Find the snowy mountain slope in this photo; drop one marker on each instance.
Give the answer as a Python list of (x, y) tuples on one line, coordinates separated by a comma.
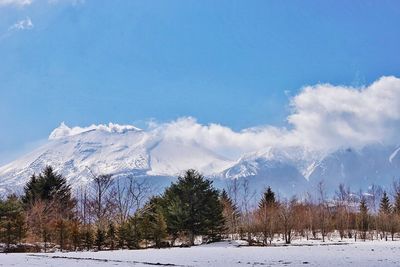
[(295, 170), (127, 150), (285, 170), (359, 168), (113, 150)]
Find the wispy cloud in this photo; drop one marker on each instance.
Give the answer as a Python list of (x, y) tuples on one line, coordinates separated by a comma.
[(19, 3), (24, 24), (73, 2)]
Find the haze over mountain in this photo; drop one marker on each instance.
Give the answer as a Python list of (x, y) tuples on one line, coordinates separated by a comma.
[(336, 134)]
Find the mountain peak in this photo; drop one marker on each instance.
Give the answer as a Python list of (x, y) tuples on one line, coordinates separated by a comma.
[(63, 130)]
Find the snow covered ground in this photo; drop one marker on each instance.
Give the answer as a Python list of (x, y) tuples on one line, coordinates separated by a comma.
[(374, 253)]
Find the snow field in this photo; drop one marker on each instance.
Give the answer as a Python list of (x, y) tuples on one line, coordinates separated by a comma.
[(375, 253)]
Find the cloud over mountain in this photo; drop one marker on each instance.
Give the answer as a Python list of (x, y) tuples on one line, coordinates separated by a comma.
[(324, 117), (65, 131), (325, 124)]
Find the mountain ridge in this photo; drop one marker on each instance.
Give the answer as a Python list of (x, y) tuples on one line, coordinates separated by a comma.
[(125, 150)]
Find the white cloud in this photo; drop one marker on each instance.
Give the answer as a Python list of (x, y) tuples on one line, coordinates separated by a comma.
[(73, 2), (324, 117), (22, 3), (327, 116), (25, 24), (64, 131), (221, 139), (18, 3)]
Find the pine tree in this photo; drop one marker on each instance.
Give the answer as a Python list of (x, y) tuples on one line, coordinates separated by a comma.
[(145, 227), (268, 199), (385, 215), (159, 228), (153, 224), (217, 225), (129, 233), (12, 221), (100, 238), (111, 236), (76, 235), (87, 237), (50, 207), (121, 235), (49, 187), (363, 218), (396, 213), (267, 213), (396, 208), (192, 206), (385, 206)]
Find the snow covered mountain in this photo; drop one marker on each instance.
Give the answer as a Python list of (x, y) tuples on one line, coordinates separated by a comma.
[(127, 150), (112, 149), (301, 170)]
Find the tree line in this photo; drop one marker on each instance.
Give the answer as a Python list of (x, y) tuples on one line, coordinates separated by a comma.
[(124, 213), (109, 214), (364, 216)]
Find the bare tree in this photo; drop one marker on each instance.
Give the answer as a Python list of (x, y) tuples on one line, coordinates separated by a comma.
[(83, 205), (323, 210), (341, 216), (247, 218), (123, 201), (233, 189), (140, 191), (40, 218), (286, 215), (101, 198), (130, 195)]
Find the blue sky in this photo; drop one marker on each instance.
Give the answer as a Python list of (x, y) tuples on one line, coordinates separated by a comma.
[(236, 63)]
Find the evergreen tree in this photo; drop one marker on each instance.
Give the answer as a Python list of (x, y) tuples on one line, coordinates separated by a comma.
[(385, 206), (145, 227), (268, 199), (111, 236), (87, 237), (363, 218), (154, 227), (100, 238), (396, 214), (12, 221), (121, 235), (267, 213), (76, 235), (192, 206), (175, 214), (50, 207), (129, 233), (159, 228), (385, 215), (52, 188), (396, 207)]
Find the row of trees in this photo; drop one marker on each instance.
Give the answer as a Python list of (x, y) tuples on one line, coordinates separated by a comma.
[(365, 215), (124, 213), (111, 213)]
